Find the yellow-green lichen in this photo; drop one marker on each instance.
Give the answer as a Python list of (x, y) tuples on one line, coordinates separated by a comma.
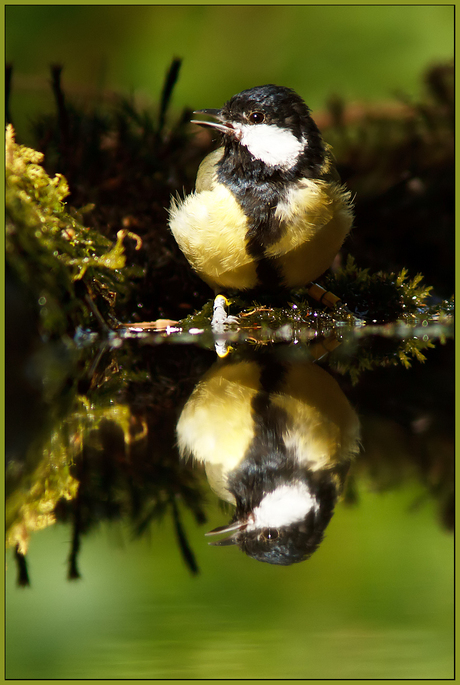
[(48, 249)]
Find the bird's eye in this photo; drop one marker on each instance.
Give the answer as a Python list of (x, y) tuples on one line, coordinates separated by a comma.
[(270, 533), (256, 117)]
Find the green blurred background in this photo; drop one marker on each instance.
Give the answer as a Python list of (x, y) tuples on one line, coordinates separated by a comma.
[(362, 53), (375, 601)]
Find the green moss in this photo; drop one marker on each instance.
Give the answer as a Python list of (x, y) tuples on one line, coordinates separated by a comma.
[(366, 298), (380, 296), (48, 249)]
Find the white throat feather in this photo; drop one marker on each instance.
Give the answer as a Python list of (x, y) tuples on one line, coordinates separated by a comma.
[(275, 146)]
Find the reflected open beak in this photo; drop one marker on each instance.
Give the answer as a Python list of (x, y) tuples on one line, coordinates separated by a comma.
[(226, 542), (220, 124), (231, 540)]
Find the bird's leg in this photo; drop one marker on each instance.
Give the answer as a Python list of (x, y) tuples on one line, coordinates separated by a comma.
[(323, 296), (316, 292), (324, 346), (219, 311), (219, 323), (220, 318)]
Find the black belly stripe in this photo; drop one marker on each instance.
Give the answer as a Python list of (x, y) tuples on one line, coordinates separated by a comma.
[(268, 276), (259, 199), (258, 190), (260, 235), (270, 420)]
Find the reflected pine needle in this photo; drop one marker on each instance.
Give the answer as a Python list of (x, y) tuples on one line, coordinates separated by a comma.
[(186, 550)]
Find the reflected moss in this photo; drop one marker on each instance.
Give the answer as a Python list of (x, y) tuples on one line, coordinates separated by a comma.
[(118, 439), (102, 459), (32, 510)]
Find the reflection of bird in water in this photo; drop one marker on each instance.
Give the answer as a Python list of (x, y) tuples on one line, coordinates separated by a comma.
[(276, 439)]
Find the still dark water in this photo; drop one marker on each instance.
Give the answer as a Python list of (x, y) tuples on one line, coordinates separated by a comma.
[(119, 579)]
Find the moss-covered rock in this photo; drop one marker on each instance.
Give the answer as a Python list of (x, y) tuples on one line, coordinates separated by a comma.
[(49, 250)]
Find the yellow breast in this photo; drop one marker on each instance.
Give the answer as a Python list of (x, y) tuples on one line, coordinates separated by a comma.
[(210, 227), (318, 217)]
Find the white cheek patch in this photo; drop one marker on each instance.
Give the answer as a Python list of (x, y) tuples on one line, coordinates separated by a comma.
[(285, 505), (271, 144)]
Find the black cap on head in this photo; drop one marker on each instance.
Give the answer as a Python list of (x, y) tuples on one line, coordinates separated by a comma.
[(278, 104)]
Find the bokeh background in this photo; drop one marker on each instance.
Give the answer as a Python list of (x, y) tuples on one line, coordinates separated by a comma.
[(362, 53), (376, 600)]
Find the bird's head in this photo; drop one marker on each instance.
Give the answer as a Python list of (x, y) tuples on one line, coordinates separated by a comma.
[(287, 525), (271, 122)]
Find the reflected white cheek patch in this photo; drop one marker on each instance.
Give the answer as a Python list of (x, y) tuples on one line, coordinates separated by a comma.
[(285, 505)]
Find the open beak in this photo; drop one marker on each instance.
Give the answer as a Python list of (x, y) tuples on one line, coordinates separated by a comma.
[(231, 540), (220, 124)]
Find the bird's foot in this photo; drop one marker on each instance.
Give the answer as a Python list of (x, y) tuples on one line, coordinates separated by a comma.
[(220, 318), (220, 323)]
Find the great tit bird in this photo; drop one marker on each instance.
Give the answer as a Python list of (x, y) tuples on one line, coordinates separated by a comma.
[(276, 439), (268, 210)]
